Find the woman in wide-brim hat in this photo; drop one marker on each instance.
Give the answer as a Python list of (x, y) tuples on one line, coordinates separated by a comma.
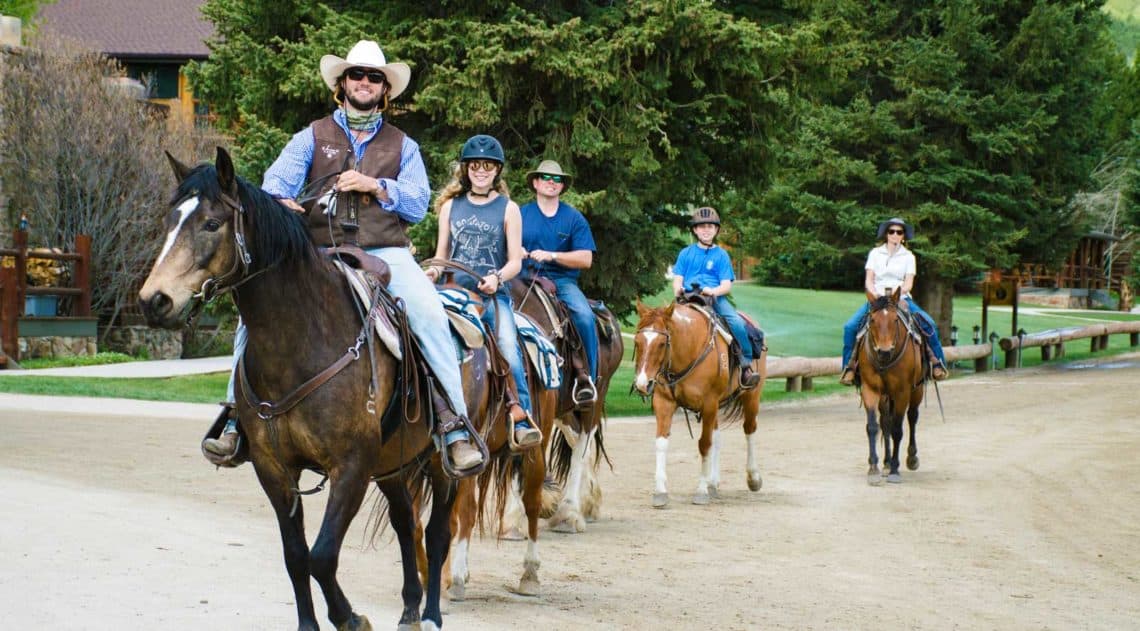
[(891, 265)]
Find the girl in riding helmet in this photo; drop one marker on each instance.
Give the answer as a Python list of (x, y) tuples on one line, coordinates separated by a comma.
[(480, 227), (706, 264)]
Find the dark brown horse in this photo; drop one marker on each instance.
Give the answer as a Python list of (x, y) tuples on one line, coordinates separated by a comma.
[(682, 361), (579, 427), (891, 372), (483, 499), (223, 234)]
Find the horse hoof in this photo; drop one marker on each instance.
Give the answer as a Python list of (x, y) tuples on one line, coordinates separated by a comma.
[(754, 483), (874, 479), (512, 534), (411, 626), (570, 525), (357, 623), (457, 592), (894, 478), (660, 500), (700, 499), (528, 587), (428, 625), (912, 463), (714, 492)]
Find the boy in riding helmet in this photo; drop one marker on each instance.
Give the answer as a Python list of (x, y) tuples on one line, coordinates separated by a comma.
[(707, 265)]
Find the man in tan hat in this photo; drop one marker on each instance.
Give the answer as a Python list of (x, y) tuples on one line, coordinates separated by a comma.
[(380, 185), (558, 244)]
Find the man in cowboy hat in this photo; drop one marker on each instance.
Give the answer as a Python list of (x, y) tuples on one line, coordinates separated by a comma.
[(558, 244), (380, 184)]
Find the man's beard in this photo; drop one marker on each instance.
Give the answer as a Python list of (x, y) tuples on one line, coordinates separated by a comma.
[(364, 106)]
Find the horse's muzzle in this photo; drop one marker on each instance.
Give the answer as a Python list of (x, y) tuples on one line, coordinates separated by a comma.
[(158, 309)]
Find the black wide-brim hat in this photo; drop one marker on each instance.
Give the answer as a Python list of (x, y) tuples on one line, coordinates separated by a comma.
[(895, 221)]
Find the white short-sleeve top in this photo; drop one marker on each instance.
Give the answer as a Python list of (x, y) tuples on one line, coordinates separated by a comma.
[(890, 269)]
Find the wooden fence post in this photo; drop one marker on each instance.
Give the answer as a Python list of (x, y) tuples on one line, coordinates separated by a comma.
[(82, 280), (10, 311)]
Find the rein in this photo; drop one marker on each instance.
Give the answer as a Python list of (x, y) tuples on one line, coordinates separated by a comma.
[(237, 275), (668, 377), (873, 355)]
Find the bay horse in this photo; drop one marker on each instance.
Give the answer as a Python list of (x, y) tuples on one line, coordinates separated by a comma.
[(483, 498), (224, 234), (682, 361), (578, 427), (891, 374)]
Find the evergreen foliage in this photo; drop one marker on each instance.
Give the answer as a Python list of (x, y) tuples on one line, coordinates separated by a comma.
[(654, 106)]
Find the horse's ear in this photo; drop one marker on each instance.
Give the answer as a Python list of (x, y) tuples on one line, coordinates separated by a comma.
[(642, 310), (895, 295), (180, 170), (225, 166), (669, 310)]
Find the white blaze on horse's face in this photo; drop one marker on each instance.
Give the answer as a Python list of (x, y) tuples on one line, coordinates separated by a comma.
[(644, 341), (184, 210)]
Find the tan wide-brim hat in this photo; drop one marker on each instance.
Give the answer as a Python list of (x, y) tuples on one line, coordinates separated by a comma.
[(366, 54), (550, 167)]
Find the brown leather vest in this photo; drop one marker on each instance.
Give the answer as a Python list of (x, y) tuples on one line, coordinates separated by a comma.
[(332, 153)]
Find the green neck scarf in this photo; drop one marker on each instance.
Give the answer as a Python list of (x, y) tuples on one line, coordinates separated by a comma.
[(363, 122)]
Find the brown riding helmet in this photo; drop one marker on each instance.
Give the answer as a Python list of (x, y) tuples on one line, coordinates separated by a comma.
[(703, 215)]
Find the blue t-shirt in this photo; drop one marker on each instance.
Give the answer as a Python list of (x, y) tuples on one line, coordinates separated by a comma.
[(704, 266), (566, 231)]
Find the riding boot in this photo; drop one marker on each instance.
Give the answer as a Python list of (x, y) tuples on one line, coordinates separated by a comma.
[(938, 370), (522, 430), (748, 377), (848, 376), (466, 456), (224, 445)]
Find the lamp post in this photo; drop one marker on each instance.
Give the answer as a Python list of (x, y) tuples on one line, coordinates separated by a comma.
[(953, 341), (977, 334)]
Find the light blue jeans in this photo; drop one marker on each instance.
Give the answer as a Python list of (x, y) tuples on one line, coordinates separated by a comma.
[(499, 316), (736, 325), (925, 322), (427, 320), (584, 319)]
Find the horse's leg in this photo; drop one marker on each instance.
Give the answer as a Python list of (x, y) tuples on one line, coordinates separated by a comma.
[(714, 464), (751, 411), (592, 493), (463, 521), (874, 477), (513, 514), (278, 485), (568, 518), (403, 524), (912, 448), (533, 475), (896, 443), (663, 410), (346, 493), (706, 446), (438, 534)]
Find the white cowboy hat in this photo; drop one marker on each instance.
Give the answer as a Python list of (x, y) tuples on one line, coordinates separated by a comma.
[(366, 54)]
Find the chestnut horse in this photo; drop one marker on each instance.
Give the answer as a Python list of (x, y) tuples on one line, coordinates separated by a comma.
[(473, 506), (891, 376), (224, 234), (682, 361), (578, 426)]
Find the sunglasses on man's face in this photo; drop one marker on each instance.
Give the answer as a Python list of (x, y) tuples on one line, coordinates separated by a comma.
[(357, 74), (557, 179), (482, 165), (895, 231)]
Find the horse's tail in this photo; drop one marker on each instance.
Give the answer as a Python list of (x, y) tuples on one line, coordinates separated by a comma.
[(495, 486)]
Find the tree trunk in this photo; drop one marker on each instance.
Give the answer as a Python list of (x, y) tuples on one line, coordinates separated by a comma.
[(936, 296)]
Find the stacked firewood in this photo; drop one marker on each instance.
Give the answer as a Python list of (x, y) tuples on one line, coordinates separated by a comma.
[(45, 272)]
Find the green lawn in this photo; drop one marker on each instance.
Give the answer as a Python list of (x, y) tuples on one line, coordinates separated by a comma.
[(796, 321)]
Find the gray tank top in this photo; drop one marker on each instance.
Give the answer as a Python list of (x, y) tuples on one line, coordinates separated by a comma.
[(478, 237)]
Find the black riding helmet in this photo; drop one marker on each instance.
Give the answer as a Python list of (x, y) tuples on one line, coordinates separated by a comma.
[(482, 147)]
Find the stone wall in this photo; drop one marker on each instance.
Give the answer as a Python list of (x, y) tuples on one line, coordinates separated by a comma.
[(142, 341), (56, 346)]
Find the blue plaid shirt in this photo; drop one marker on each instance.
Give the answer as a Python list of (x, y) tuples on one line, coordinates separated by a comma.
[(408, 194)]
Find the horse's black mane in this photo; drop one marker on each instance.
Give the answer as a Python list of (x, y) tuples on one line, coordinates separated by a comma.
[(880, 302), (274, 234)]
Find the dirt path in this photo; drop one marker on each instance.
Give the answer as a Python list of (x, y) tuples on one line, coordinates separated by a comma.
[(1025, 515)]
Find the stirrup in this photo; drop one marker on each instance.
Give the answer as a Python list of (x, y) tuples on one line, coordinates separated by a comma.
[(844, 380), (512, 440), (447, 421), (584, 392), (240, 453)]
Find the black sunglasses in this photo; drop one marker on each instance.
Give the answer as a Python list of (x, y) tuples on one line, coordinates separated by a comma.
[(557, 179), (374, 76), (895, 231)]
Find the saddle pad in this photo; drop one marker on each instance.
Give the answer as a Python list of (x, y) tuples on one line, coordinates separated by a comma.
[(549, 304), (385, 330), (464, 318), (543, 356), (724, 333)]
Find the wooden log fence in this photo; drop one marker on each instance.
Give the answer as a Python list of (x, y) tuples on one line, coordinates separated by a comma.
[(14, 287), (799, 372)]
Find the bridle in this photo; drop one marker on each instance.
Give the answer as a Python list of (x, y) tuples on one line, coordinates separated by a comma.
[(665, 375), (238, 273)]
